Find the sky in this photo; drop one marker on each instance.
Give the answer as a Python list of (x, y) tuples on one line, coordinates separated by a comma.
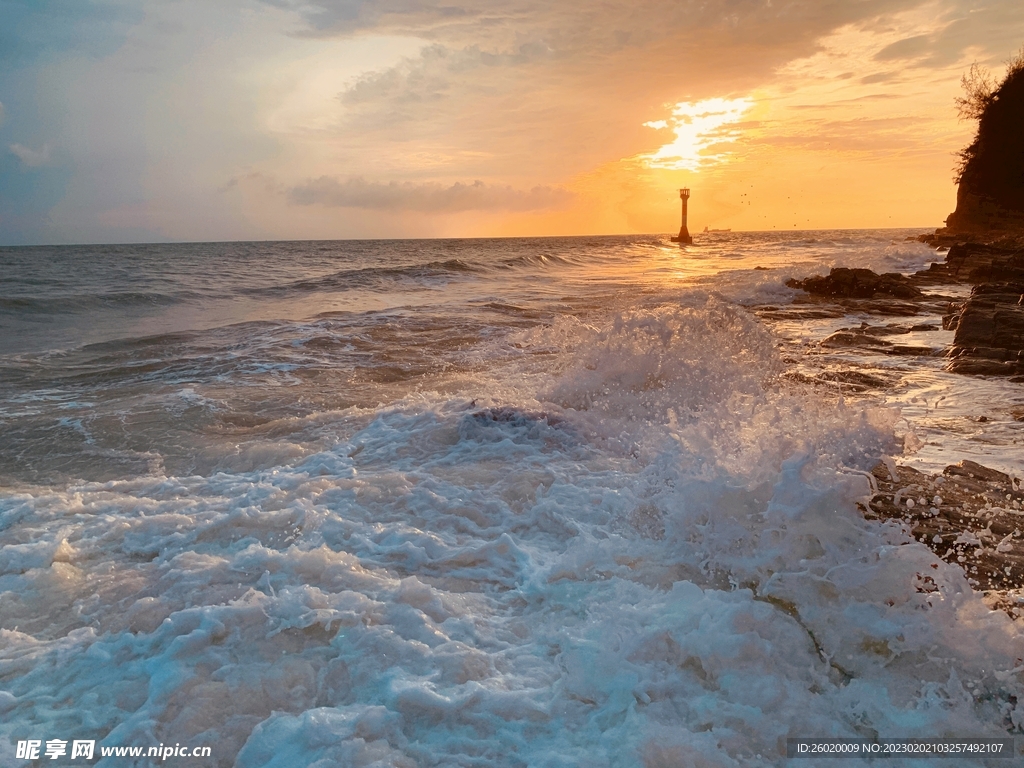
[(185, 120)]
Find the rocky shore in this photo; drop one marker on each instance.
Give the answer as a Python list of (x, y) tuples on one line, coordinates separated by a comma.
[(969, 514), (988, 326)]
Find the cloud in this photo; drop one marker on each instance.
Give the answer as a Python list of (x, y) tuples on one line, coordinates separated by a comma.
[(425, 197), (430, 75), (149, 106), (332, 17), (568, 25), (879, 77), (908, 48), (33, 158), (701, 128), (959, 27), (515, 88)]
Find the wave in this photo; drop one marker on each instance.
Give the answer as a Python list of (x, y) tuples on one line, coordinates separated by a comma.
[(529, 260), (381, 278), (76, 303), (653, 541)]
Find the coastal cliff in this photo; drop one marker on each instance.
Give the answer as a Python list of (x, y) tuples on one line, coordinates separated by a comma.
[(990, 173)]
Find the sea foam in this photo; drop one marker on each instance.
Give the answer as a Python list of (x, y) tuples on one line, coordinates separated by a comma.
[(628, 543)]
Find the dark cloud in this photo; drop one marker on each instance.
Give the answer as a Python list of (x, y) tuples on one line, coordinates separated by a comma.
[(424, 198)]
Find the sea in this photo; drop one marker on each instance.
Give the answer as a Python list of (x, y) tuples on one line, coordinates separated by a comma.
[(528, 502)]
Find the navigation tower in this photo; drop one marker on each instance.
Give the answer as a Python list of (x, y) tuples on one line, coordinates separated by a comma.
[(684, 233)]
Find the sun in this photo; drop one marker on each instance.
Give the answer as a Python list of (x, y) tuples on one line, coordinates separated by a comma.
[(701, 128)]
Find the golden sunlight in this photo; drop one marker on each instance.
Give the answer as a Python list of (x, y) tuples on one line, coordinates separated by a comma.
[(701, 128)]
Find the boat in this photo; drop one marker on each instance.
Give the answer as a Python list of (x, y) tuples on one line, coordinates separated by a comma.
[(709, 231)]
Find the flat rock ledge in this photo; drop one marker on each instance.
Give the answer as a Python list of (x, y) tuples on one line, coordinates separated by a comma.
[(970, 515)]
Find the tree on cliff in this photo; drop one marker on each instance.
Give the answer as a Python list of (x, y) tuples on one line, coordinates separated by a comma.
[(991, 168)]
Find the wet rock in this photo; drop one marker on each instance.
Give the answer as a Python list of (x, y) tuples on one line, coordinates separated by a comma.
[(801, 312), (887, 307), (848, 338), (856, 381), (989, 326), (893, 329), (970, 515), (827, 306), (856, 283), (848, 380), (910, 350), (986, 264), (867, 337), (976, 263), (975, 471)]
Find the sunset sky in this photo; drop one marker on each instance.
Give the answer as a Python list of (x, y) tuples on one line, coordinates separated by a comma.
[(158, 120)]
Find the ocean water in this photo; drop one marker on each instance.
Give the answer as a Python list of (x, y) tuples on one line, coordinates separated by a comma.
[(513, 502)]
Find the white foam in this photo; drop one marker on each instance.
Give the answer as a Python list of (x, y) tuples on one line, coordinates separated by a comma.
[(645, 551)]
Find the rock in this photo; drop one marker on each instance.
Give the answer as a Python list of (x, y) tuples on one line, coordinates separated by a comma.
[(974, 470), (847, 380), (989, 338), (983, 263), (912, 350), (858, 381), (856, 283), (972, 516), (980, 214), (970, 262), (847, 338), (867, 337)]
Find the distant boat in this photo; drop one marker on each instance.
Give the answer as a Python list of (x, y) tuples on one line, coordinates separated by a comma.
[(706, 230)]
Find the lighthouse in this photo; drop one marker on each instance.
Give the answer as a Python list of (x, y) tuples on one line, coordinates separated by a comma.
[(684, 233)]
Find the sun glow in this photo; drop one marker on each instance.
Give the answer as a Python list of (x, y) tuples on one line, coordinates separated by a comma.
[(701, 128)]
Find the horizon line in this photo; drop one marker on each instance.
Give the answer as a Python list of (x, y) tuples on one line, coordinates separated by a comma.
[(434, 239)]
